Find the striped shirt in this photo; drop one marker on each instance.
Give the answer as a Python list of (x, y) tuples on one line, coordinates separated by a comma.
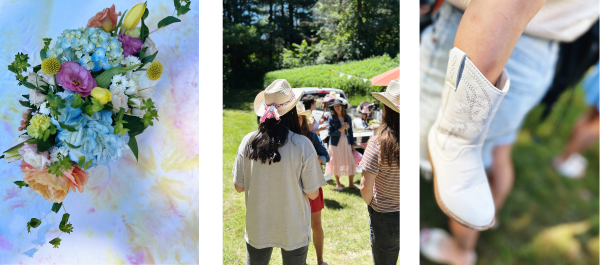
[(386, 192)]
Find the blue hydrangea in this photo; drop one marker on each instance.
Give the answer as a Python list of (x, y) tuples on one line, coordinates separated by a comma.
[(94, 138), (91, 47)]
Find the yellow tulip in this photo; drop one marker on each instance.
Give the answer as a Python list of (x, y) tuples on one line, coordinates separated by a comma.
[(133, 16), (101, 94)]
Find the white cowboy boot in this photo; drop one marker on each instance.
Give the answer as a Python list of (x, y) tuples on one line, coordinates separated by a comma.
[(469, 102)]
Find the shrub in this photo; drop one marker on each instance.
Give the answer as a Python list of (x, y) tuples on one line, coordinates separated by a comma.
[(321, 76)]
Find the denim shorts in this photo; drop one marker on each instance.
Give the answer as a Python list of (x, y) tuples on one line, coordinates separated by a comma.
[(530, 69)]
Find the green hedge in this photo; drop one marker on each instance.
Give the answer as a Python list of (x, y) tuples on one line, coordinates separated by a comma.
[(321, 76)]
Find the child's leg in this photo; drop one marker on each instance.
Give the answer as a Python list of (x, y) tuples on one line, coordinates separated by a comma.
[(337, 181), (351, 179), (318, 235), (584, 134)]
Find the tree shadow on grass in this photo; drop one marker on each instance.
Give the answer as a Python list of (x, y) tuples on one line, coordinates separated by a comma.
[(333, 205), (240, 99)]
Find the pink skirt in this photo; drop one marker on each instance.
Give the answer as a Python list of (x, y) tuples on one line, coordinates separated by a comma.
[(341, 159)]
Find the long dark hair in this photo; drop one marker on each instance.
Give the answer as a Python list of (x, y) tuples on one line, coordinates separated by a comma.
[(389, 136), (304, 127), (271, 135), (335, 115)]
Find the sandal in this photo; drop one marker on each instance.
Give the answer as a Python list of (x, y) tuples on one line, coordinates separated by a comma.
[(430, 240), (339, 188)]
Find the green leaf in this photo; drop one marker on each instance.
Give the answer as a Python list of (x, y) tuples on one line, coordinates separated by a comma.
[(33, 223), (77, 102), (43, 54), (169, 20), (29, 85), (26, 96), (141, 53), (149, 58), (81, 162), (56, 207), (37, 68), (177, 4), (134, 124), (144, 32), (182, 10), (134, 147), (46, 134), (45, 145), (71, 145), (103, 80), (119, 24), (64, 226), (67, 127), (47, 43), (21, 184), (25, 103), (88, 163), (55, 242)]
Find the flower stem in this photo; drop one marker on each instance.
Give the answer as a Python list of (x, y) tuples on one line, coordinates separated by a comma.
[(45, 215), (63, 205)]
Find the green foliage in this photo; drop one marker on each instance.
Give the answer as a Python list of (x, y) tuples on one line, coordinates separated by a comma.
[(148, 59), (119, 122), (47, 43), (64, 225), (56, 207), (21, 184), (168, 21), (134, 146), (58, 167), (182, 9), (18, 66), (33, 223), (55, 103), (321, 76), (134, 125), (77, 102), (144, 32), (55, 242), (119, 24), (151, 112), (46, 142), (103, 80), (96, 106)]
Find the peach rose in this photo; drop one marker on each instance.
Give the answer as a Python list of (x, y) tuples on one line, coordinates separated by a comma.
[(48, 185), (77, 177), (105, 19)]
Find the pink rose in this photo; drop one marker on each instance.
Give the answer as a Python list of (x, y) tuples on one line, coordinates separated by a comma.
[(32, 158), (76, 78), (105, 19)]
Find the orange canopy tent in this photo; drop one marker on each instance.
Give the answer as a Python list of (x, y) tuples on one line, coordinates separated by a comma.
[(385, 78)]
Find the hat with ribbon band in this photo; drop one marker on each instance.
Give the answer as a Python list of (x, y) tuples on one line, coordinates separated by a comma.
[(276, 100), (391, 96)]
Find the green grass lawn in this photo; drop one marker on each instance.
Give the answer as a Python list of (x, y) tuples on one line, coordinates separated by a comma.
[(344, 219), (532, 223)]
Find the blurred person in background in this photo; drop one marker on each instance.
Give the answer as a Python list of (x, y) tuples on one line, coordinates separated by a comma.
[(570, 163), (502, 44), (313, 124), (341, 144)]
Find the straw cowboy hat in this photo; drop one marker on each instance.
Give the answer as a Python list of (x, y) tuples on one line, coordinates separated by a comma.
[(277, 99), (302, 110), (391, 96)]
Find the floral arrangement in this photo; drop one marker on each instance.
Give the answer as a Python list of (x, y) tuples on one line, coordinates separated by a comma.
[(88, 99)]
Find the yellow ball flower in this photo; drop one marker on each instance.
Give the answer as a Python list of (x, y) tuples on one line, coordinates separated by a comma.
[(154, 71), (51, 66), (133, 16), (38, 121), (101, 94)]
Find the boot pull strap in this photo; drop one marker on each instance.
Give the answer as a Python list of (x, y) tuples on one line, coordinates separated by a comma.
[(456, 64)]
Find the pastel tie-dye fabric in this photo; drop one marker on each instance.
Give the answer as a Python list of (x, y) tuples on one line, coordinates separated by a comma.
[(131, 212)]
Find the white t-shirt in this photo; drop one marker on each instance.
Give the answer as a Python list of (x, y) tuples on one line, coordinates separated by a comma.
[(277, 208)]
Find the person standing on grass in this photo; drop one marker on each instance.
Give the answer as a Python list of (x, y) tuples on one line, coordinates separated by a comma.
[(278, 170), (314, 125), (318, 203), (341, 144), (380, 182)]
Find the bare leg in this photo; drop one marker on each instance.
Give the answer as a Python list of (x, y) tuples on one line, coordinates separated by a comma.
[(351, 179), (489, 30), (318, 235), (337, 181), (585, 133), (501, 177)]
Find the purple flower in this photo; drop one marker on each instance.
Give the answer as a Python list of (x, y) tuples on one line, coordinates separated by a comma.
[(76, 78), (130, 45)]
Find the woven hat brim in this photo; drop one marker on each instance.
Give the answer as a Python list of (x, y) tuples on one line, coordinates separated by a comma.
[(381, 96), (259, 108), (305, 113)]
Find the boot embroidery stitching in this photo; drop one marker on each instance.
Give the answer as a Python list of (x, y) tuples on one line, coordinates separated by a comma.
[(488, 111), (453, 66)]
